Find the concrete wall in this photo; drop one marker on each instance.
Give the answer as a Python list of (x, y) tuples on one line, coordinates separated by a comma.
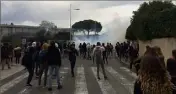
[(166, 45)]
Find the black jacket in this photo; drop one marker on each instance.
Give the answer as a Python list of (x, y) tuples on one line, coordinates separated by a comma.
[(27, 59), (72, 54), (53, 56), (171, 67)]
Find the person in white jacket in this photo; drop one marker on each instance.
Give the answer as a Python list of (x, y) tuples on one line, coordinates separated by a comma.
[(98, 55)]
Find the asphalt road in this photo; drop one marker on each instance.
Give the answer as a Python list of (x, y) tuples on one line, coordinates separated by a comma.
[(120, 80)]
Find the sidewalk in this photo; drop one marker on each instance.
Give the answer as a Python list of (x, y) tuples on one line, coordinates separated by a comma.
[(8, 72)]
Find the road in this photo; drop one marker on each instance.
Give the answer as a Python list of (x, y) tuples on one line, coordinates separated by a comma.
[(120, 80)]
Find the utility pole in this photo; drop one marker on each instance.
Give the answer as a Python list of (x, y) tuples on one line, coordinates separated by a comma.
[(71, 32)]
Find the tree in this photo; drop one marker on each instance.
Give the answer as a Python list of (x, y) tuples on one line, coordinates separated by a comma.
[(151, 21), (88, 26), (50, 26)]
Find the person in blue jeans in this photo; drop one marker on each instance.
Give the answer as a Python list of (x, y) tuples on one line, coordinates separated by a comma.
[(54, 62)]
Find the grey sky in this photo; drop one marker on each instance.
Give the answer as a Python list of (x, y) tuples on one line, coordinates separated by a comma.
[(113, 15), (20, 12)]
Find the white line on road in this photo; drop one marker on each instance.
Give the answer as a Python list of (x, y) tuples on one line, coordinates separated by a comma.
[(6, 73), (80, 83), (105, 86), (127, 84), (27, 90), (129, 72), (12, 83)]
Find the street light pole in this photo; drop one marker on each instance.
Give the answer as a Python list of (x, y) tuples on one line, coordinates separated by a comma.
[(71, 33), (70, 24)]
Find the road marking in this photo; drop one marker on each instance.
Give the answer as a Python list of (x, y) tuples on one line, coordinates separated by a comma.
[(80, 82), (105, 86), (127, 84), (7, 73), (12, 83), (129, 72), (27, 90)]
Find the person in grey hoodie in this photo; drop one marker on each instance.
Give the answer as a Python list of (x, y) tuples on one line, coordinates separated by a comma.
[(97, 54)]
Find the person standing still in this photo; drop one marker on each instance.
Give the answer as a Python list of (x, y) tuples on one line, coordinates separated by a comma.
[(97, 53)]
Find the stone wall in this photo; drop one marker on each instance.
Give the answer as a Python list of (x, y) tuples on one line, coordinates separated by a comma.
[(166, 45)]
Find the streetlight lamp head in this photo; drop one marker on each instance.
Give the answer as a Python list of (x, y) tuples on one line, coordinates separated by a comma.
[(76, 9)]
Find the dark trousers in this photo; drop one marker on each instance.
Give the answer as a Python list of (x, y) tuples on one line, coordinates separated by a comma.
[(43, 68), (100, 63), (37, 67), (17, 60), (31, 73), (105, 59), (72, 62), (5, 61)]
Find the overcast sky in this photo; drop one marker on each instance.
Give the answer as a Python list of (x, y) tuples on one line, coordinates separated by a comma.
[(113, 15), (33, 12)]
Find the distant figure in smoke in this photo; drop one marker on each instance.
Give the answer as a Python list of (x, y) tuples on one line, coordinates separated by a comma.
[(72, 57), (80, 49), (88, 51), (97, 53), (84, 50), (105, 58), (92, 52)]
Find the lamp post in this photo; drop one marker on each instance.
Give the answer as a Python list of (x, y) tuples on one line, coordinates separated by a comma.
[(71, 33)]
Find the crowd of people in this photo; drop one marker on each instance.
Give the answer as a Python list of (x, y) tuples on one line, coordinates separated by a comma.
[(155, 76), (8, 52)]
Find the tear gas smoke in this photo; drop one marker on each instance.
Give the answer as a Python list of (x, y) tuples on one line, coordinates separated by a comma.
[(113, 32)]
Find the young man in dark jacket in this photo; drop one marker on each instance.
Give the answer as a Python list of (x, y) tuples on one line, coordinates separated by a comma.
[(72, 57), (28, 62), (54, 63)]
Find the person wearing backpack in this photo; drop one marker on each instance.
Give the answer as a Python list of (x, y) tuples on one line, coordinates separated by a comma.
[(97, 53)]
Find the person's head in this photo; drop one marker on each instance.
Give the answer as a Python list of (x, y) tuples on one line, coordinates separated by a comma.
[(174, 53), (158, 50), (45, 46), (103, 44), (34, 44), (56, 45), (147, 47), (52, 44), (98, 44), (72, 46), (153, 76), (150, 51)]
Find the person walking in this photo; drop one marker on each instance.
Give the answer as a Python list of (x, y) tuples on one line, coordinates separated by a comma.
[(97, 53), (5, 55), (28, 62), (54, 63), (105, 57), (43, 64), (17, 52), (72, 58)]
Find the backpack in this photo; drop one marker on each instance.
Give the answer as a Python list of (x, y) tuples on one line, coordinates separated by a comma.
[(41, 56), (98, 53)]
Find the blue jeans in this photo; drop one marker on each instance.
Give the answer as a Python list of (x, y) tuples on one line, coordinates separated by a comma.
[(51, 69)]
